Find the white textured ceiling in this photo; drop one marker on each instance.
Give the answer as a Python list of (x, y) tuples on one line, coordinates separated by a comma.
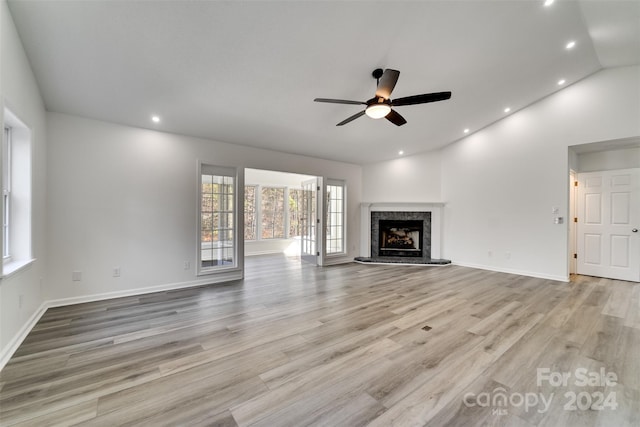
[(247, 72)]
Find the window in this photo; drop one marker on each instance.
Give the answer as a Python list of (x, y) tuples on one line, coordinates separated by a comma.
[(272, 213), (16, 194), (217, 218), (296, 212), (267, 216), (335, 217), (6, 192), (250, 213)]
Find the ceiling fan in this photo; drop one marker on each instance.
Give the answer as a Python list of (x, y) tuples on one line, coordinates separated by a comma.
[(380, 105)]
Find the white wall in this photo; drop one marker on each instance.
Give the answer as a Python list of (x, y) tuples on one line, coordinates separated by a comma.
[(127, 197), (411, 179), (626, 158), (500, 184), (19, 93)]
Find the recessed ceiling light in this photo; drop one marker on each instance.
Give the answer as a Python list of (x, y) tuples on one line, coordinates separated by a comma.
[(466, 131), (506, 110), (561, 82), (400, 153), (570, 45), (548, 2), (155, 119)]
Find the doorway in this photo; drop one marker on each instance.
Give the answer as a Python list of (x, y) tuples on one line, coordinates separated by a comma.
[(604, 201), (274, 213)]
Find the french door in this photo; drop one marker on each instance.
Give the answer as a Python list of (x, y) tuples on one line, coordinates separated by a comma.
[(311, 221)]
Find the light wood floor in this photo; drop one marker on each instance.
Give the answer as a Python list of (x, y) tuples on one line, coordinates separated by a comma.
[(348, 345)]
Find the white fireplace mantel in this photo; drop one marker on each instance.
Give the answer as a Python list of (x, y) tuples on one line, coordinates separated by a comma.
[(436, 223)]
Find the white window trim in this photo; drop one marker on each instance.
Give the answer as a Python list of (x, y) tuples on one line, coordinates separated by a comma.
[(343, 184), (237, 264), (12, 267), (20, 225), (6, 195)]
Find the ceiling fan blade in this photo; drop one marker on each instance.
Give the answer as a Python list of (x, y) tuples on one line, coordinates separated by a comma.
[(395, 118), (421, 99), (387, 83), (352, 118), (339, 101)]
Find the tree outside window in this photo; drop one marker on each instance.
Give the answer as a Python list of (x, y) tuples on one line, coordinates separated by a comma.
[(250, 214), (273, 213), (295, 212)]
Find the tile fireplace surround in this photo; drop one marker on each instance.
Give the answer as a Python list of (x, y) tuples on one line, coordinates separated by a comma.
[(430, 213)]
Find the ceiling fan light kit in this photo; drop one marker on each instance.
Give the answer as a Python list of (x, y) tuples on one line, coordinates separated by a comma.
[(378, 110), (381, 105)]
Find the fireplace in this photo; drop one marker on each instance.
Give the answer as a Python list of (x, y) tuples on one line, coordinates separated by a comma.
[(400, 238), (401, 233)]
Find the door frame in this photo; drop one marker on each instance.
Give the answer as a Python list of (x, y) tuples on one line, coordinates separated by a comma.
[(573, 226)]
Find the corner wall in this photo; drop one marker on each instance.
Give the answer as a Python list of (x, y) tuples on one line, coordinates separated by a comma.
[(21, 296), (500, 184)]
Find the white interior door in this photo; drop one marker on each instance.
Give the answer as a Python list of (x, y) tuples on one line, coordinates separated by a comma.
[(608, 222), (309, 220)]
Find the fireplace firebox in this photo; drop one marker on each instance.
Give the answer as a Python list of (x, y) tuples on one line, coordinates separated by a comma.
[(401, 235), (401, 238)]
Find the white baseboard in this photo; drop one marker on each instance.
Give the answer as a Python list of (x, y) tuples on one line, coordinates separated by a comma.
[(513, 271), (15, 342), (10, 349), (209, 280)]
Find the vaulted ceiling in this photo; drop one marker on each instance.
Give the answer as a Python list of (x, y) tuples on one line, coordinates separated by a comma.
[(247, 72)]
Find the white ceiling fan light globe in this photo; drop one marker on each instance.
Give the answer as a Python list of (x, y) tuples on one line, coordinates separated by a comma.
[(378, 111)]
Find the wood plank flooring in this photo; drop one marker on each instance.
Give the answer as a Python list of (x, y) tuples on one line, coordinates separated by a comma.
[(349, 345)]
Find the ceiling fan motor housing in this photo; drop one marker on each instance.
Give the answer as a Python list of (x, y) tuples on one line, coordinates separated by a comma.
[(376, 100)]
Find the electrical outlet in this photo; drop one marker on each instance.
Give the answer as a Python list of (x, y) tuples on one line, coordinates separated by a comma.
[(489, 254), (76, 276), (507, 255), (116, 271), (20, 301), (187, 265)]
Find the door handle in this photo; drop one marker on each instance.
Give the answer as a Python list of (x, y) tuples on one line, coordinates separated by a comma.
[(635, 230)]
